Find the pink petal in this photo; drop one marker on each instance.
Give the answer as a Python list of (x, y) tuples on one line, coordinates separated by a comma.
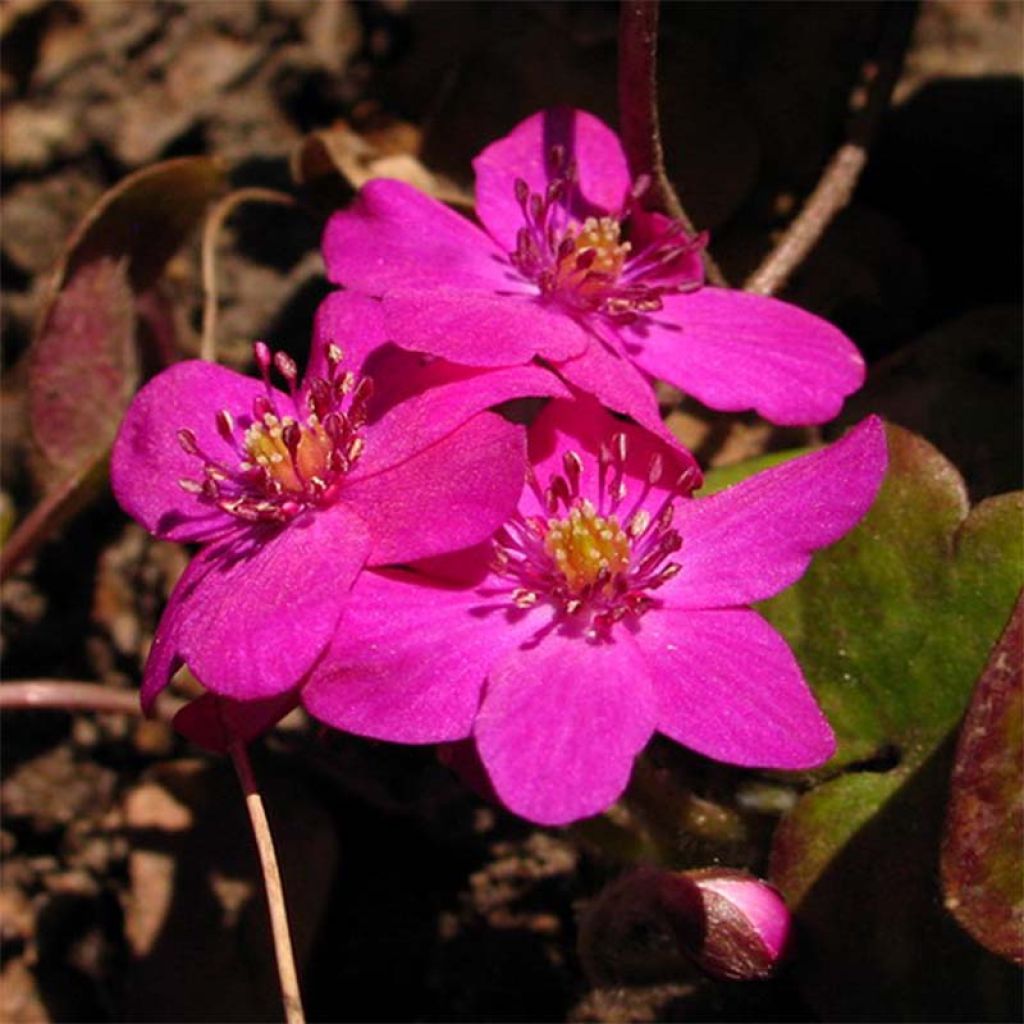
[(583, 427), (447, 497), (729, 687), (733, 351), (482, 327), (253, 615), (353, 322), (409, 660), (214, 723), (148, 460), (394, 236), (615, 382), (418, 422), (756, 538), (524, 153), (561, 723)]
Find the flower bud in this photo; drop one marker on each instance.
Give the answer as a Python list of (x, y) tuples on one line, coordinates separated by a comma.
[(745, 925)]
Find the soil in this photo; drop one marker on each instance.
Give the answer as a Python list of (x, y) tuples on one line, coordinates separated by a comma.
[(128, 889)]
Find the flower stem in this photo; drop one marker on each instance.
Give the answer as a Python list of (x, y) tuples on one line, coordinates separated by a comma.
[(71, 695), (638, 113), (211, 229), (839, 179), (287, 974)]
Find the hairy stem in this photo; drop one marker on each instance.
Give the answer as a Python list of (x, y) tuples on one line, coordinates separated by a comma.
[(287, 974), (638, 113)]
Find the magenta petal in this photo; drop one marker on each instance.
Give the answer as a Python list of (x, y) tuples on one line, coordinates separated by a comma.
[(615, 382), (409, 660), (733, 351), (482, 328), (561, 723), (415, 424), (756, 538), (214, 723), (450, 496), (353, 322), (729, 687), (525, 153), (394, 236), (583, 426), (148, 460), (257, 613)]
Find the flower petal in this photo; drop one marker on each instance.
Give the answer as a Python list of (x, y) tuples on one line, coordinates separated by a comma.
[(482, 327), (756, 538), (409, 660), (443, 405), (729, 687), (394, 236), (148, 460), (525, 153), (733, 351), (253, 615), (584, 427), (615, 382), (352, 321), (214, 723), (561, 723), (448, 496)]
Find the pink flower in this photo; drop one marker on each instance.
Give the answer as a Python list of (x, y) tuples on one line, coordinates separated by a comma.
[(570, 268), (610, 605), (291, 492)]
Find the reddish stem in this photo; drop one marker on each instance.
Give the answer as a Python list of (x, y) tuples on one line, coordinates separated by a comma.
[(638, 113)]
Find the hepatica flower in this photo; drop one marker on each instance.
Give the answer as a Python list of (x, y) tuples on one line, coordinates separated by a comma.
[(570, 267), (291, 490), (611, 604)]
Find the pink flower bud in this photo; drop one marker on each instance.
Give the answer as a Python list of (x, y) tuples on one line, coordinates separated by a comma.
[(745, 928)]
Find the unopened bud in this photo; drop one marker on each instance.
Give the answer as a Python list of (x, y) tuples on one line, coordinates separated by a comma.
[(746, 925)]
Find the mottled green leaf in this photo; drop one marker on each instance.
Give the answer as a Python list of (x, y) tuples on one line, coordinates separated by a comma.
[(892, 626)]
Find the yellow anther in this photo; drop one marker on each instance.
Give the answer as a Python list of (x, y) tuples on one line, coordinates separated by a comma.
[(584, 545)]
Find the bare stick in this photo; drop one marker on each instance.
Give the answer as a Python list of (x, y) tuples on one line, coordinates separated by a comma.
[(38, 524), (286, 972), (839, 179), (638, 113), (72, 695), (211, 229)]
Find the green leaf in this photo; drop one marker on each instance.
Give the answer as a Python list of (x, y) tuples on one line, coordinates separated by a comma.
[(892, 625), (983, 847)]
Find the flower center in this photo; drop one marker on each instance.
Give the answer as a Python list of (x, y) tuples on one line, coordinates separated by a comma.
[(586, 546), (588, 266), (285, 459), (602, 557)]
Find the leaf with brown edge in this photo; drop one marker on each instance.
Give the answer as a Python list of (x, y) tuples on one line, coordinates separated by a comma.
[(84, 363), (85, 366), (982, 861)]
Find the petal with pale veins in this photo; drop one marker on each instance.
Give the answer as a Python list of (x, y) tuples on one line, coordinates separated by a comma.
[(729, 687), (560, 725)]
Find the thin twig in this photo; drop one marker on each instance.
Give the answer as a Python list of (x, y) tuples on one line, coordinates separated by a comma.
[(839, 179), (72, 695), (286, 971), (211, 229), (36, 526), (638, 114)]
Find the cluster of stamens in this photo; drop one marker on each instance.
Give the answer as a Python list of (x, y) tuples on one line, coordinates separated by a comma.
[(596, 560), (588, 265), (285, 459)]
